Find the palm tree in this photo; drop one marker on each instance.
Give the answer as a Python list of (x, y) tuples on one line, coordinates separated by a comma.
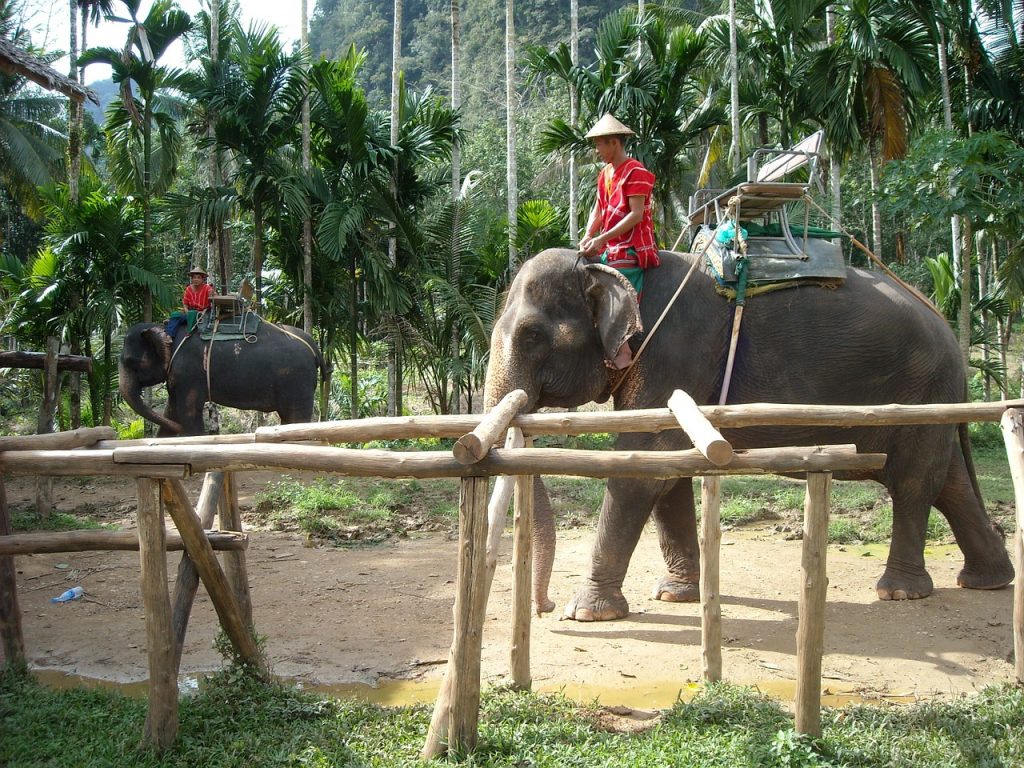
[(31, 147), (257, 102), (307, 221), (660, 95), (511, 168), (137, 65), (866, 87), (395, 343)]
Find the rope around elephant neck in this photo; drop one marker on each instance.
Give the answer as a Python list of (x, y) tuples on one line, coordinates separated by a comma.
[(625, 373), (881, 265)]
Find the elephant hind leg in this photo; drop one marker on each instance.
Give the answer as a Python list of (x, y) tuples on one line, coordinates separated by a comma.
[(986, 562)]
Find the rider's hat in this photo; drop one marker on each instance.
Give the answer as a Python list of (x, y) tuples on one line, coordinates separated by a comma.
[(609, 126), (197, 271)]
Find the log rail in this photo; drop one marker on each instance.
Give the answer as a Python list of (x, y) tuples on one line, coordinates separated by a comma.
[(160, 465)]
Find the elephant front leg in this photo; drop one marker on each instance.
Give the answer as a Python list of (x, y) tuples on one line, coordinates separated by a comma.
[(905, 576), (627, 504), (677, 534)]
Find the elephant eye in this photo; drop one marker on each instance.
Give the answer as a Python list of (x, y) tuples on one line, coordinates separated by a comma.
[(532, 335)]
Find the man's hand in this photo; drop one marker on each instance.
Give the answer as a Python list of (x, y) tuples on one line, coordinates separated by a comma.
[(592, 246)]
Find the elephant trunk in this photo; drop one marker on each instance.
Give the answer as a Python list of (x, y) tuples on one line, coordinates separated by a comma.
[(131, 391)]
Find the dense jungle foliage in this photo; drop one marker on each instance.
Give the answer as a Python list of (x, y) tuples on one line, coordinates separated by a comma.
[(204, 164)]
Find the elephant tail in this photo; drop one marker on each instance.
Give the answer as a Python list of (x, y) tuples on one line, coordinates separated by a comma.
[(965, 447)]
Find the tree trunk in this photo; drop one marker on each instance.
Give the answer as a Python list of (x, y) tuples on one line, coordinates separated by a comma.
[(574, 116), (876, 212), (734, 90), (965, 295), (257, 250), (510, 133), (456, 277), (394, 355), (307, 224), (74, 110), (353, 342), (947, 117)]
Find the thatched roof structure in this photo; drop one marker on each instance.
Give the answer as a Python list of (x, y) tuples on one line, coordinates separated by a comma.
[(15, 61)]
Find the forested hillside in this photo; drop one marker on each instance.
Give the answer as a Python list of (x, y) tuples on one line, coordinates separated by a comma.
[(426, 40)]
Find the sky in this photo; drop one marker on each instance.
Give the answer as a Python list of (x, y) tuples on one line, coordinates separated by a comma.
[(48, 23)]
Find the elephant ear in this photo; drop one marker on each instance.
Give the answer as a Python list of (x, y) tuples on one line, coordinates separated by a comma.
[(161, 342), (613, 306)]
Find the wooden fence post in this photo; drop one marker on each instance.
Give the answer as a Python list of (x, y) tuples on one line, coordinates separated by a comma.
[(457, 710), (46, 422), (810, 634), (12, 638), (234, 562), (213, 578), (188, 577), (522, 585), (710, 595), (162, 720), (1012, 425)]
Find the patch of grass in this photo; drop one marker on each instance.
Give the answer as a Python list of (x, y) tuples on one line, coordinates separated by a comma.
[(26, 519), (576, 501), (238, 720), (358, 510)]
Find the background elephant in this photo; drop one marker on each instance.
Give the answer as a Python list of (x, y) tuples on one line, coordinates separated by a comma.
[(278, 372), (867, 342)]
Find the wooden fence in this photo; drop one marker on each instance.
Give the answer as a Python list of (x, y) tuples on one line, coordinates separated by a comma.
[(159, 466)]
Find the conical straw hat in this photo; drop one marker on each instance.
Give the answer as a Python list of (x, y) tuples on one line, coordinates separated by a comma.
[(609, 126), (197, 271)]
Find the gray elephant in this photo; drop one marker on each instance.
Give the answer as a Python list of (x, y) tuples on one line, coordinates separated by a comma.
[(866, 342), (277, 372)]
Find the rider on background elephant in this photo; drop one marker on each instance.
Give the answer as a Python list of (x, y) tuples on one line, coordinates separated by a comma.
[(866, 342)]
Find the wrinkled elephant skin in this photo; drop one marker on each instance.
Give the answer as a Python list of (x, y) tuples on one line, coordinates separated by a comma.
[(278, 372), (866, 342)]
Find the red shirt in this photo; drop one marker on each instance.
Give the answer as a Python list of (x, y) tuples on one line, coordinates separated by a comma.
[(197, 298), (614, 188)]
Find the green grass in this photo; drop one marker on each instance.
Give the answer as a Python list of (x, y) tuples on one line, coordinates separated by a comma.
[(358, 510), (26, 519), (236, 720)]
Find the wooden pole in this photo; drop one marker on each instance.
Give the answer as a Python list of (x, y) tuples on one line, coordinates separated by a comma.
[(90, 540), (213, 577), (75, 438), (38, 360), (454, 723), (12, 638), (47, 416), (710, 596), (162, 720), (522, 584), (472, 447), (234, 562), (810, 635), (1013, 435), (705, 437), (187, 583), (650, 420), (522, 461)]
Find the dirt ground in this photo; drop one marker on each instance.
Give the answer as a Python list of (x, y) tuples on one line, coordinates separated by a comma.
[(377, 621)]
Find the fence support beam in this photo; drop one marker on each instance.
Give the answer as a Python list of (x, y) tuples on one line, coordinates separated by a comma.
[(710, 596), (457, 711), (810, 634), (522, 585), (162, 720), (1012, 424), (12, 638)]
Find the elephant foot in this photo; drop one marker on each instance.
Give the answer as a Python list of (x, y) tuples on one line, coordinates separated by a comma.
[(903, 585), (996, 576), (671, 589), (593, 604)]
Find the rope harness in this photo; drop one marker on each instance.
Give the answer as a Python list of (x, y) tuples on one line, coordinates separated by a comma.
[(743, 272)]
